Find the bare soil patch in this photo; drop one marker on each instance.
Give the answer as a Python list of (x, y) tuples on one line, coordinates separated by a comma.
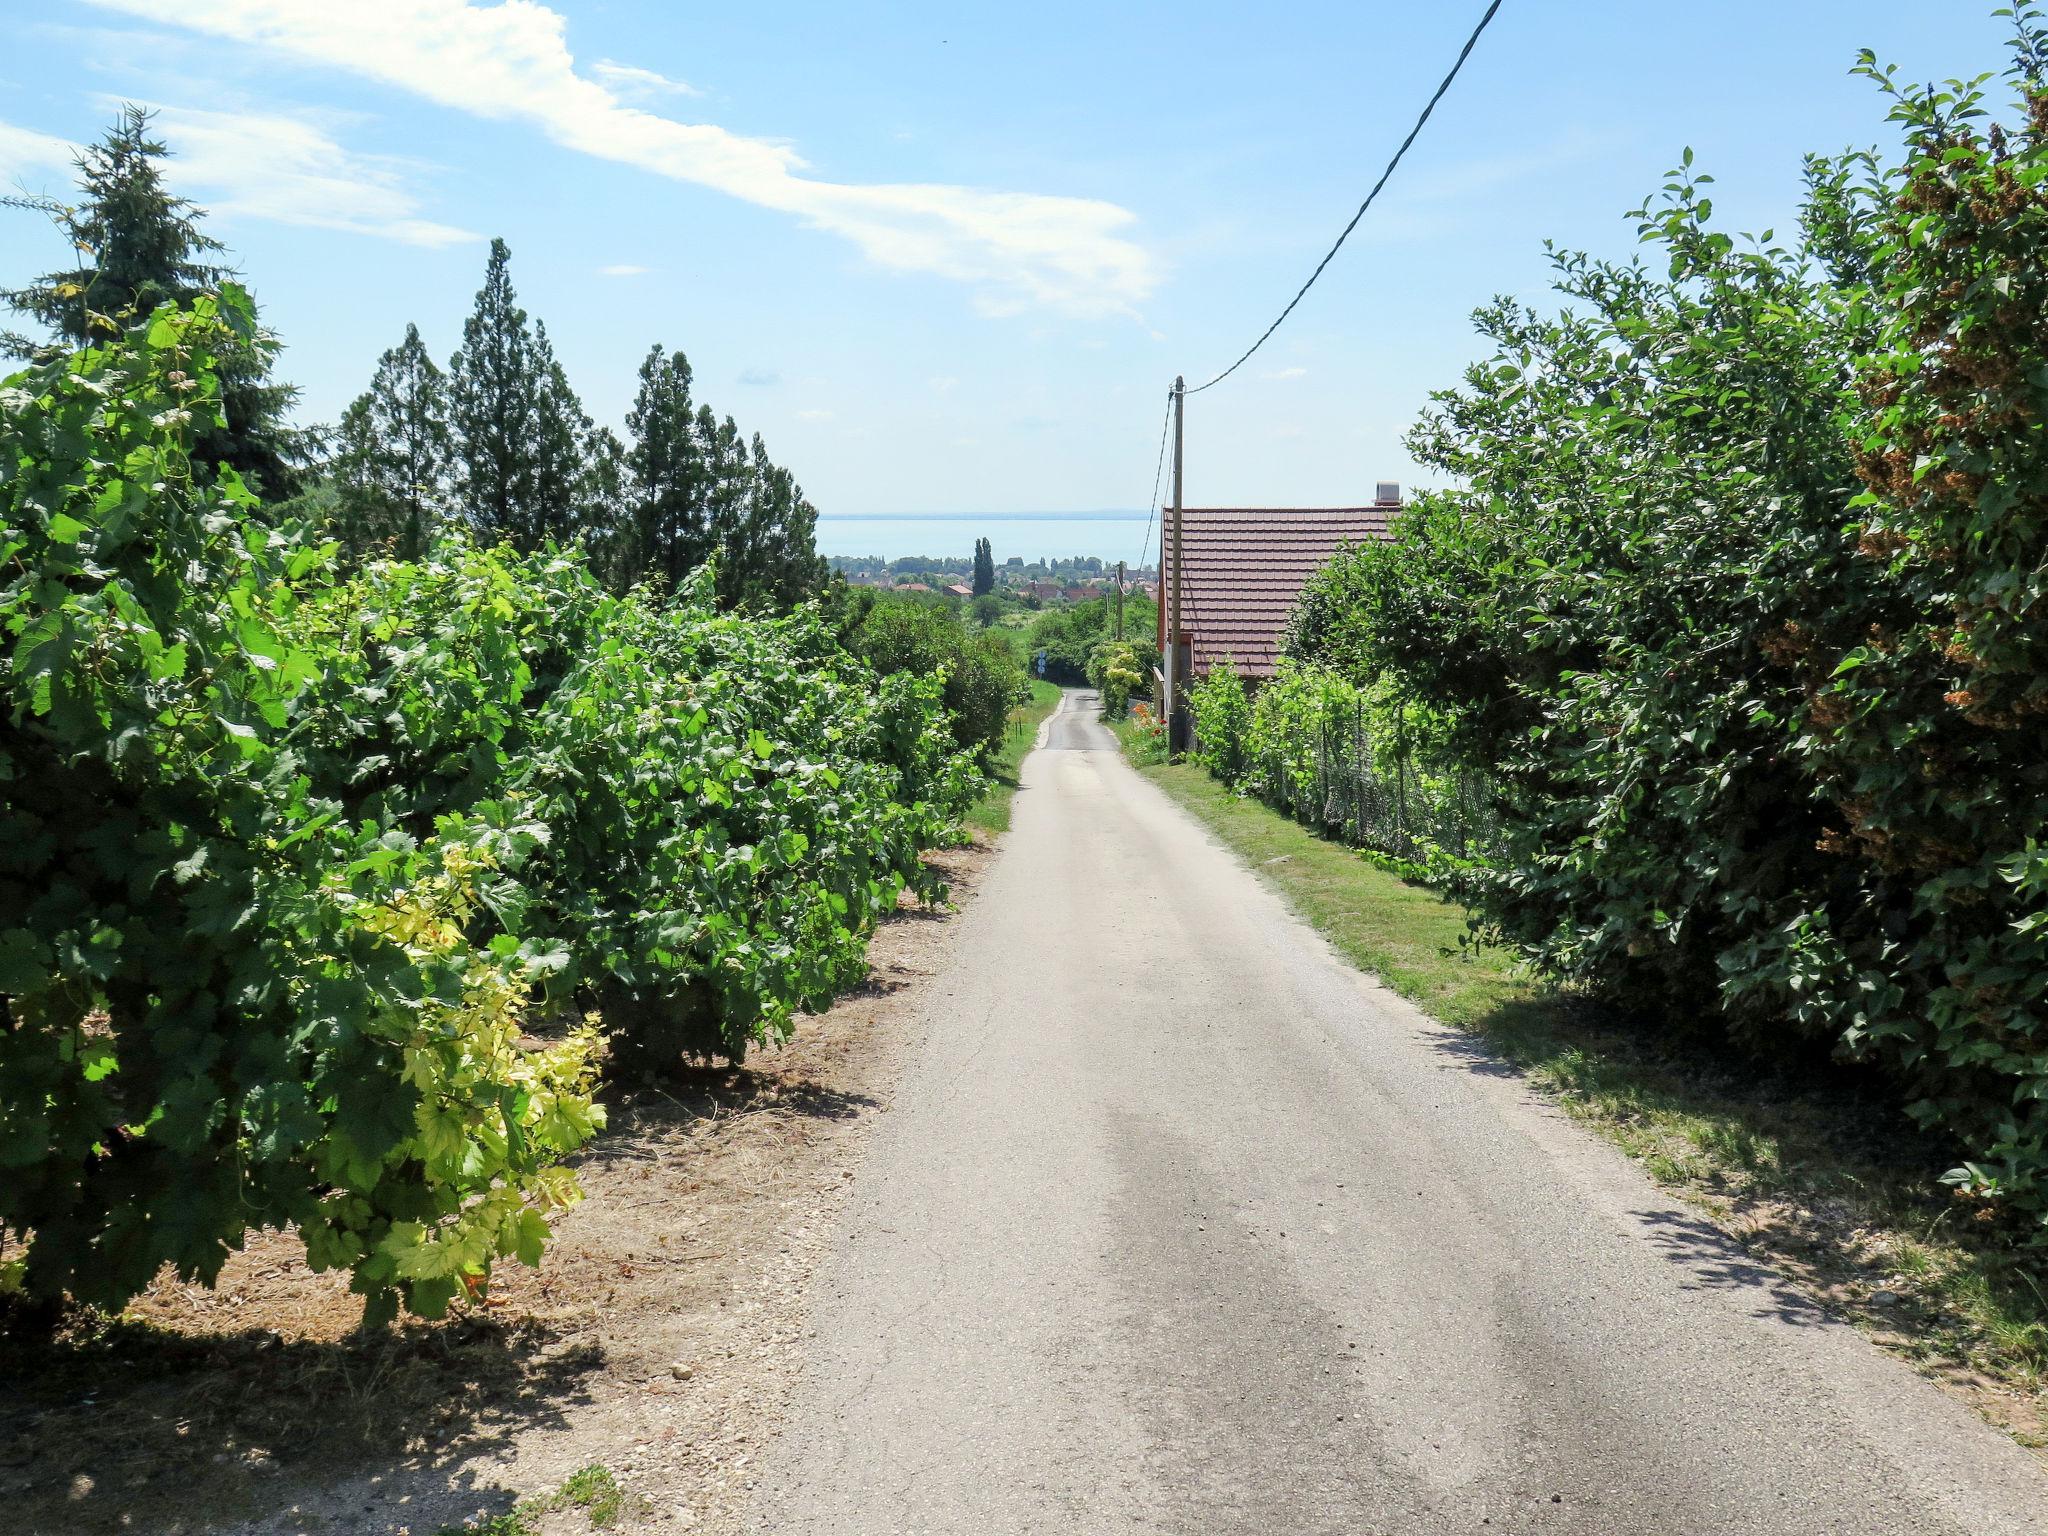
[(660, 1337)]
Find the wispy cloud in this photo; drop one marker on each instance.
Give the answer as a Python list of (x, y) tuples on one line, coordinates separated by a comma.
[(26, 154), (631, 80), (622, 269), (814, 415), (269, 166), (759, 378), (945, 384), (1286, 373), (511, 62)]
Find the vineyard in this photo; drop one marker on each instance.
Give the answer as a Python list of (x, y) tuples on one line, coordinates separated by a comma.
[(328, 894), (1740, 617)]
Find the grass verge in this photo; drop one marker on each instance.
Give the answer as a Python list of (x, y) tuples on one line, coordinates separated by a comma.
[(991, 814), (1824, 1179)]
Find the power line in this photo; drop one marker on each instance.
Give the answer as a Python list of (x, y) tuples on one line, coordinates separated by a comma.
[(1463, 54), (1152, 506)]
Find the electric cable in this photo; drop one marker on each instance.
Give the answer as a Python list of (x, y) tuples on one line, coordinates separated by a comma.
[(1463, 54)]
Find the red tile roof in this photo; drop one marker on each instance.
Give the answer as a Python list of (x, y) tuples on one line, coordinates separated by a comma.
[(1246, 565)]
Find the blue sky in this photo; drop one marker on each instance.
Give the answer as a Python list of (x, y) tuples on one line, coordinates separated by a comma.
[(945, 257)]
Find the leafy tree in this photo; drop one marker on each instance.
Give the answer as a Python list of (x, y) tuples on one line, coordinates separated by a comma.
[(392, 461), (141, 247), (900, 635), (514, 422), (1743, 608), (984, 568)]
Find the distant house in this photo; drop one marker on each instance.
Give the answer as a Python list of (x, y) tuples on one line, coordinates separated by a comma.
[(1045, 591), (912, 586), (1240, 569), (960, 589)]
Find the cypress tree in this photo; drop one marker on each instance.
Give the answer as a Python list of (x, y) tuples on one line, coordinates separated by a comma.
[(984, 568), (392, 463), (140, 247)]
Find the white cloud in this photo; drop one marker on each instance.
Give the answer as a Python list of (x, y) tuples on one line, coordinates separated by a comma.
[(630, 80), (1287, 373), (268, 166), (945, 384), (510, 61), (622, 269), (814, 415), (24, 152)]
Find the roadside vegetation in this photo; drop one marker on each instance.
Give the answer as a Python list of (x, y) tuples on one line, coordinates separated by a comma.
[(1741, 621), (356, 832)]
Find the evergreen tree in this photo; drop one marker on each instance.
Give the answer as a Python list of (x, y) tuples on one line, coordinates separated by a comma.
[(605, 509), (561, 428), (139, 247), (516, 426), (666, 474), (984, 568), (697, 487), (391, 465)]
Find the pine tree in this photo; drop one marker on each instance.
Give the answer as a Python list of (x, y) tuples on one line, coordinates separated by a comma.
[(666, 473), (392, 461), (141, 248), (605, 510), (561, 427), (517, 429), (984, 568)]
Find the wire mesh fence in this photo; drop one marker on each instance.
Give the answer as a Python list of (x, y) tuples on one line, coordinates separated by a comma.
[(1335, 779)]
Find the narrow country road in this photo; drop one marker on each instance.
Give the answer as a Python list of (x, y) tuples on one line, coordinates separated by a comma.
[(1180, 1225)]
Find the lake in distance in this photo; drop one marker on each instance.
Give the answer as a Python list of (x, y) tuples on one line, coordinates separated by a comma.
[(1108, 536)]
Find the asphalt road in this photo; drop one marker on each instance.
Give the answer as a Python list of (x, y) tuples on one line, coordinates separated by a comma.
[(1180, 1225)]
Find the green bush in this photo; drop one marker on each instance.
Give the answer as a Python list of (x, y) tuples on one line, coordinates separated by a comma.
[(730, 802), (981, 677), (294, 867), (1069, 636), (1116, 669), (1743, 609), (225, 1004)]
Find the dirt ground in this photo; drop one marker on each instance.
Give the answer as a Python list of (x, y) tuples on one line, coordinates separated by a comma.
[(659, 1338)]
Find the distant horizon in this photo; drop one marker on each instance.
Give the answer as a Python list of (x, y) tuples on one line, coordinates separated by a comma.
[(1104, 515)]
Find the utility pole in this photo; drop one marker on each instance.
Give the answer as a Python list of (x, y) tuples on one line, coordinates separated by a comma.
[(1119, 600), (1175, 680)]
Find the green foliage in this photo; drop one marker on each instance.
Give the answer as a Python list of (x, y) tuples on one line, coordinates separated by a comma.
[(512, 420), (981, 678), (225, 1004), (1117, 670), (1069, 635), (139, 247), (1743, 610), (294, 865), (1354, 762), (1220, 707), (730, 803), (694, 488), (391, 469)]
